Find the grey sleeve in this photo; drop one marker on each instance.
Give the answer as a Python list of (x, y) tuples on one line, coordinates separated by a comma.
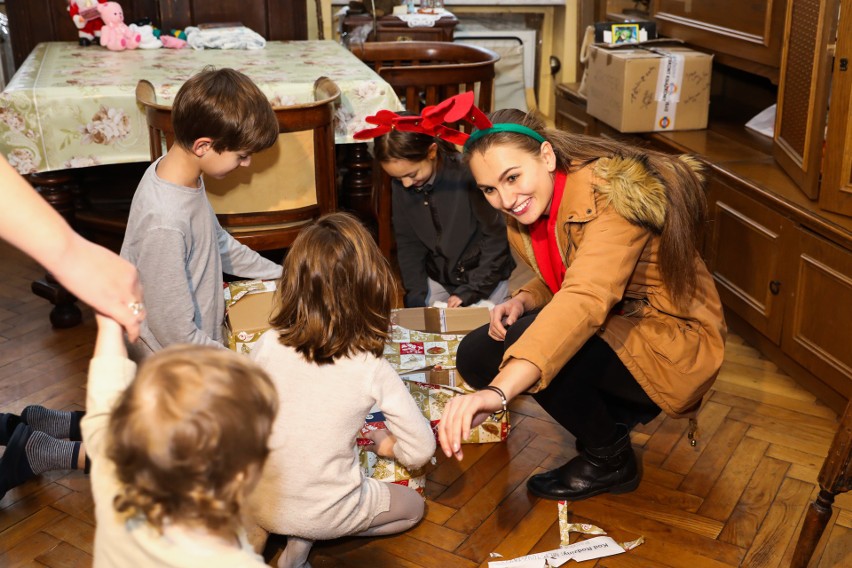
[(169, 304), (240, 260)]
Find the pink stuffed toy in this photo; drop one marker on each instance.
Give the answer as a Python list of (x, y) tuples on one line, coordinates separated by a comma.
[(115, 34)]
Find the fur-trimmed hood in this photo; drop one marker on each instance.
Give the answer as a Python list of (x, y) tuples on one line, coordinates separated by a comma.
[(635, 191)]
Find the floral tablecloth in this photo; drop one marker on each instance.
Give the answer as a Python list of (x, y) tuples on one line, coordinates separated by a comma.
[(70, 106)]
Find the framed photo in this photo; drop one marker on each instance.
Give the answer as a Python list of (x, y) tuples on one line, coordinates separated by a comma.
[(624, 33)]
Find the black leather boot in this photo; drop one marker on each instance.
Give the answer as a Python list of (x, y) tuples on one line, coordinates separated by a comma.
[(610, 469)]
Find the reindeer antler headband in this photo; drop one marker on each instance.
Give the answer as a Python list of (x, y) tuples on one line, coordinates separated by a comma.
[(460, 107)]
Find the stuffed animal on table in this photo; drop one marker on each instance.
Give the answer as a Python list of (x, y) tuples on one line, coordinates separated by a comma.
[(149, 40), (115, 34), (87, 19)]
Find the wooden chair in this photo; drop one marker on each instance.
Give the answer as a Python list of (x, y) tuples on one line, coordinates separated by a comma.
[(424, 73), (265, 205)]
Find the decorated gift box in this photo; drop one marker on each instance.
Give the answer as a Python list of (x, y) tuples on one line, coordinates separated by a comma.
[(426, 339), (386, 469), (248, 305), (431, 399)]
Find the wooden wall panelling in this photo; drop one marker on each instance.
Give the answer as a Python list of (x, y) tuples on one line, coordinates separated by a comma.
[(805, 75), (34, 21), (746, 255), (836, 190), (746, 35), (818, 328)]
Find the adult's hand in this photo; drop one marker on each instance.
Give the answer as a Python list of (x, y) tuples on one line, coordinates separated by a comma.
[(103, 280), (461, 414), (454, 302), (503, 315), (95, 275)]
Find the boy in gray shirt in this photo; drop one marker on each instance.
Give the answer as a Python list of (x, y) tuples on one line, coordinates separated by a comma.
[(220, 118)]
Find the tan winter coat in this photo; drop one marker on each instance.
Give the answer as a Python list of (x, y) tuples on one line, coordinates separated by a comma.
[(674, 354)]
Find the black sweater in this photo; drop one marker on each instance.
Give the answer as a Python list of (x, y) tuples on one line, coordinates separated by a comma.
[(448, 232)]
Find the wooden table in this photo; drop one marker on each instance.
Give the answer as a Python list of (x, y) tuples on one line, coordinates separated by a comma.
[(70, 107)]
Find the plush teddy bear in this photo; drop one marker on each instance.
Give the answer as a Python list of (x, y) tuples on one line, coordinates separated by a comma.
[(84, 14), (115, 34)]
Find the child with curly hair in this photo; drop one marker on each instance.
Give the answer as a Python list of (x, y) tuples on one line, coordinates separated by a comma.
[(175, 449)]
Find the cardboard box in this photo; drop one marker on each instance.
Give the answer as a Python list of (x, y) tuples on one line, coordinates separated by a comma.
[(649, 89), (425, 338), (386, 469), (249, 304), (441, 320)]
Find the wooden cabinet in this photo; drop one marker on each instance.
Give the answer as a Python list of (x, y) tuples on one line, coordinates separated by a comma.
[(819, 311), (391, 28), (571, 114), (746, 35), (746, 255)]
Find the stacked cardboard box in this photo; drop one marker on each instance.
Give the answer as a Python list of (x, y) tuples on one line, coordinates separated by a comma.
[(649, 87)]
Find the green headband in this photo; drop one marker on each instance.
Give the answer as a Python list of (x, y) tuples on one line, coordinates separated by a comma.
[(504, 127)]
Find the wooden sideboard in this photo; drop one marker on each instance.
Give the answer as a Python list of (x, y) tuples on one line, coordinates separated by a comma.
[(391, 28)]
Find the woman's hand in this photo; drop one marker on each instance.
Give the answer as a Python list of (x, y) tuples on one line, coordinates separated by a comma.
[(454, 302), (504, 315), (103, 280), (461, 414), (383, 442)]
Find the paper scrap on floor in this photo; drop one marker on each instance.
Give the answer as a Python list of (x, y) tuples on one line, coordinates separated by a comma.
[(597, 547)]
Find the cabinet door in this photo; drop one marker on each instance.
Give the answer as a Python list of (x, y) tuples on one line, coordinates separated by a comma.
[(803, 91), (747, 35), (836, 191), (818, 326), (746, 255)]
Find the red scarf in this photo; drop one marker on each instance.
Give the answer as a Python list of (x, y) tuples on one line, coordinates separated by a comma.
[(543, 234)]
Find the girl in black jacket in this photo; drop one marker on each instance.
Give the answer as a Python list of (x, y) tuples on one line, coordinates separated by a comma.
[(451, 245)]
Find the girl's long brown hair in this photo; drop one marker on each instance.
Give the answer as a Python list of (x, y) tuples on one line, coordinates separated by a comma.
[(336, 292), (686, 203)]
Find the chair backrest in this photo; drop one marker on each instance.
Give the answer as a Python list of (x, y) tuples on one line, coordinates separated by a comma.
[(424, 73), (265, 205)]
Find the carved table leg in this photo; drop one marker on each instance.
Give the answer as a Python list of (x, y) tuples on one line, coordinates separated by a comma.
[(835, 477), (816, 520), (356, 190), (57, 188)]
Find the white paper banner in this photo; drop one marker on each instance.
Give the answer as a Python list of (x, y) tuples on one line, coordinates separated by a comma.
[(597, 547)]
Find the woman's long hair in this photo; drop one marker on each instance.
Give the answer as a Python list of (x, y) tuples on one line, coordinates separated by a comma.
[(686, 203)]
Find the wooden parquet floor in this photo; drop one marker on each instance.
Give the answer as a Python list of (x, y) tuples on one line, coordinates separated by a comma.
[(737, 499)]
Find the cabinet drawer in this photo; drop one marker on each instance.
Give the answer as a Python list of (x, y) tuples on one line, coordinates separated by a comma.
[(409, 34), (818, 326)]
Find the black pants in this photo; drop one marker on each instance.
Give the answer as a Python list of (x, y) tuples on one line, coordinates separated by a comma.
[(591, 394)]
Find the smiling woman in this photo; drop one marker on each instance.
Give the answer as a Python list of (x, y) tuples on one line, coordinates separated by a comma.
[(611, 234)]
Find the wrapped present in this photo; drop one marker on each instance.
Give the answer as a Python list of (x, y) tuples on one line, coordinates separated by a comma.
[(431, 399), (426, 339), (386, 469), (248, 305)]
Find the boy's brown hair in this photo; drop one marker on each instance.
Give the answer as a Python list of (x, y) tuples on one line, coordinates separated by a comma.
[(189, 437), (336, 292), (226, 106)]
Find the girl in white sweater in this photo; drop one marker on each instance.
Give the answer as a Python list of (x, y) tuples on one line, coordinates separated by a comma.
[(324, 355)]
